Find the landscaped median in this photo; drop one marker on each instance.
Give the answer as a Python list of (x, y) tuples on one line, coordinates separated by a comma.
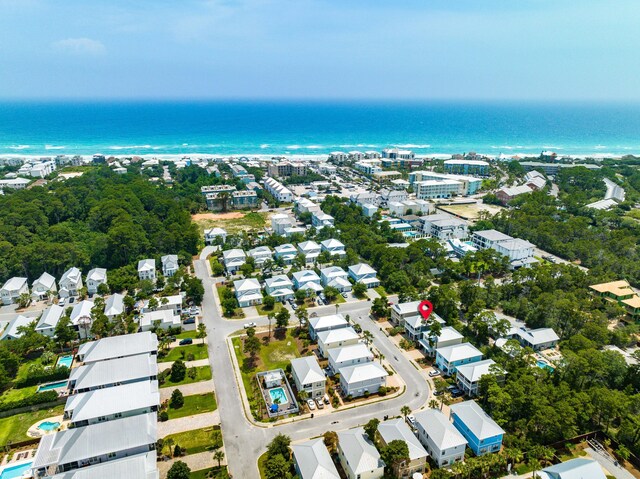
[(192, 405), (192, 442)]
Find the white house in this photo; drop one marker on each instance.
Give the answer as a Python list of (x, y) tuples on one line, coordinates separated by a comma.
[(233, 259), (468, 375), (280, 287), (12, 330), (286, 252), (95, 278), (170, 265), (260, 255), (398, 430), (320, 219), (49, 320), (70, 283), (115, 347), (13, 288), (336, 277), (349, 356), (538, 339), (318, 324), (448, 337), (361, 379), (114, 305), (112, 373), (363, 273), (444, 226), (248, 292), (162, 319), (334, 247), (579, 468), (440, 438), (147, 269), (307, 279), (280, 222), (312, 460), (336, 338), (308, 376), (211, 235), (44, 286), (81, 318), (310, 250), (358, 456), (278, 190)]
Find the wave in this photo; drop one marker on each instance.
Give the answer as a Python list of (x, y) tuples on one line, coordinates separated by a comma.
[(131, 147), (19, 147), (54, 147), (314, 147), (359, 145), (264, 146), (293, 147), (413, 145), (551, 147), (600, 147)]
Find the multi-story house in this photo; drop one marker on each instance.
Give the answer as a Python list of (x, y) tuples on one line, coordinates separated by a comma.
[(12, 289), (95, 278), (43, 287), (308, 376), (70, 283), (334, 247), (310, 250), (349, 356), (361, 379), (279, 287), (481, 432), (147, 269), (233, 259), (398, 430), (170, 265), (363, 273), (248, 292), (335, 277), (450, 357), (441, 439)]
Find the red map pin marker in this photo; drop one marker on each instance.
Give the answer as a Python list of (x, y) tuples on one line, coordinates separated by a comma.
[(425, 308)]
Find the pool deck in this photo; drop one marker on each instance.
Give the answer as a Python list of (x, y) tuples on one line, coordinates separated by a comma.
[(35, 432)]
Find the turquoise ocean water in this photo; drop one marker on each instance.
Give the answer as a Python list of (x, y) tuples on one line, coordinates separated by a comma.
[(265, 128)]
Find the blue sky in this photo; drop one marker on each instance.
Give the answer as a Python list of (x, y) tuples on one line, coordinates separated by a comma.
[(320, 49)]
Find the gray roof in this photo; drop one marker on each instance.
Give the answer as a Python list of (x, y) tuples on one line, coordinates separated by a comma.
[(478, 421), (14, 284), (118, 370), (114, 305), (118, 347), (538, 336), (334, 335), (332, 320), (362, 372), (361, 268), (359, 451), (474, 371), (147, 264), (580, 468), (46, 280), (50, 317), (97, 274), (350, 353), (307, 370), (72, 274), (492, 235), (83, 443), (140, 466), (314, 461), (458, 352), (119, 399), (440, 430), (12, 329), (397, 429), (81, 311)]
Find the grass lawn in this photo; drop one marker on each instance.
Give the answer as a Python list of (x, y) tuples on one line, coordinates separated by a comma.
[(23, 370), (250, 221), (187, 334), (198, 440), (238, 314), (203, 374), (261, 460), (262, 311), (14, 428), (214, 472), (197, 404), (198, 350), (380, 290), (17, 394)]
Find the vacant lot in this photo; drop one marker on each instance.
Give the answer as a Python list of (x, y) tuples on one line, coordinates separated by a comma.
[(234, 222), (470, 211)]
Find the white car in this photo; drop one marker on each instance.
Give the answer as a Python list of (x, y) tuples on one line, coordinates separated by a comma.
[(411, 420), (312, 405), (434, 373), (249, 325)]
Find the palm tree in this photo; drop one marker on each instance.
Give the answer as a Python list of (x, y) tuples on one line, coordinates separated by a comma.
[(434, 404), (368, 337), (381, 356), (270, 317), (218, 456), (534, 464)]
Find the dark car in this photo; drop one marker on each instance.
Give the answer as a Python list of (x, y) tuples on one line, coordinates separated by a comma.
[(438, 393), (456, 393), (185, 341), (189, 321)]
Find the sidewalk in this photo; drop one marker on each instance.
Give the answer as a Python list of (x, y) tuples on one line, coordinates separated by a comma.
[(196, 462), (189, 364), (192, 389), (188, 423)]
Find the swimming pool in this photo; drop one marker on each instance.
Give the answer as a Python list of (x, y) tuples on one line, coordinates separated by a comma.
[(50, 386), (278, 396), (65, 361), (14, 472), (48, 425), (543, 365)]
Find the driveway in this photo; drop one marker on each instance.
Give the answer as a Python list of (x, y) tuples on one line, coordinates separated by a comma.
[(192, 389), (188, 423)]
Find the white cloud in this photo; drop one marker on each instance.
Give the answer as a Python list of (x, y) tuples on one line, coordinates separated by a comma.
[(80, 46)]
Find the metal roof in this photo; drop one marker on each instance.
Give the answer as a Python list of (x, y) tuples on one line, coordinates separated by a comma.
[(440, 430), (307, 370), (314, 461), (140, 466), (397, 429), (359, 452), (118, 346), (478, 421), (119, 370)]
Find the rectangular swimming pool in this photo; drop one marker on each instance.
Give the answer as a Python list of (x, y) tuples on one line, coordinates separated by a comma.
[(278, 396), (65, 361), (49, 387), (13, 472), (543, 365)]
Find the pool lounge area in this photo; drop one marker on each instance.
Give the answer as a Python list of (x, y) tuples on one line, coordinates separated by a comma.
[(65, 361), (53, 386), (277, 393), (15, 471)]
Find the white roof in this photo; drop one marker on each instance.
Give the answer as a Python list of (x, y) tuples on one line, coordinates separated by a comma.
[(118, 370), (332, 243), (350, 353), (78, 444), (458, 352), (50, 317), (333, 271), (579, 468), (233, 254), (169, 258), (118, 346), (406, 308), (278, 281), (440, 430), (514, 244), (249, 284), (286, 248), (314, 461), (397, 429), (478, 421), (538, 336), (72, 274), (12, 328), (162, 316), (45, 280), (492, 235), (146, 265), (336, 335), (359, 451), (114, 305), (308, 246), (516, 190), (97, 274), (140, 466), (474, 371), (81, 311), (215, 232), (260, 251), (306, 275), (361, 268), (449, 333), (331, 321), (106, 402), (315, 286), (307, 370), (14, 284), (362, 372), (339, 283)]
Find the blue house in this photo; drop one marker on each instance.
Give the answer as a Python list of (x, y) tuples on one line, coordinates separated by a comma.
[(449, 358), (481, 432)]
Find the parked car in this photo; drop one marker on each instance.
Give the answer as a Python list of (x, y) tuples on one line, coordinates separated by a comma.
[(62, 301), (194, 311), (312, 405), (411, 420), (434, 373), (325, 398), (313, 315), (71, 299), (319, 403), (294, 306), (189, 321), (438, 393), (185, 341), (345, 295), (250, 325)]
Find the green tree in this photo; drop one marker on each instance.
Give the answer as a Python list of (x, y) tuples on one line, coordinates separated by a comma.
[(282, 318), (395, 455), (178, 371), (277, 467), (179, 470), (202, 332), (371, 427), (64, 332), (331, 293), (218, 456), (405, 411), (330, 439), (177, 399), (279, 445), (252, 346), (359, 290), (268, 302)]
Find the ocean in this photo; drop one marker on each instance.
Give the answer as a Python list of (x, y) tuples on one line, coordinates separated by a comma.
[(314, 128)]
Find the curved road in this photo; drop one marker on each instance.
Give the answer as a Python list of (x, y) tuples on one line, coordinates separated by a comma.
[(245, 442)]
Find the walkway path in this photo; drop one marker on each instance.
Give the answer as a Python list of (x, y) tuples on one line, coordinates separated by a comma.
[(196, 462), (188, 423), (200, 387), (189, 364), (618, 471)]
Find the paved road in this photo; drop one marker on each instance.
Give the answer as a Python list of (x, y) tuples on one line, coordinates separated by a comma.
[(245, 442)]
